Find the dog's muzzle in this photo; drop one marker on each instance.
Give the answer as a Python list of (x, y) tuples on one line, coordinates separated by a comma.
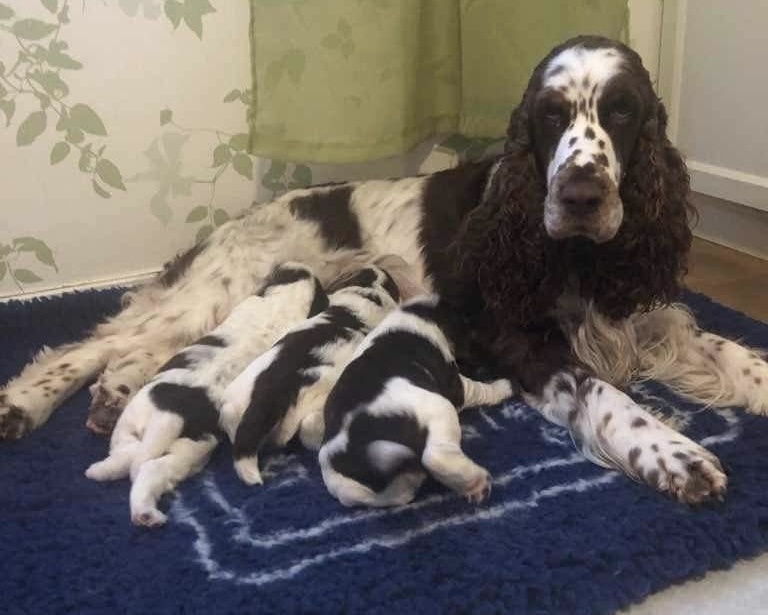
[(583, 201)]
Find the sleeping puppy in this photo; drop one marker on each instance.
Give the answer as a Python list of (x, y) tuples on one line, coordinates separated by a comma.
[(170, 428), (394, 412), (284, 390)]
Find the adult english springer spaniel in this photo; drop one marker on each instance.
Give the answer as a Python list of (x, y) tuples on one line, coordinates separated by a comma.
[(563, 254)]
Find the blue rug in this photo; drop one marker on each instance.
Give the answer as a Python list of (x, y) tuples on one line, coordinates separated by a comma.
[(558, 535)]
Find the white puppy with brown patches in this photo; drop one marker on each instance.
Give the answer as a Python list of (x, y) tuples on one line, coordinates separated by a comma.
[(393, 414), (170, 428)]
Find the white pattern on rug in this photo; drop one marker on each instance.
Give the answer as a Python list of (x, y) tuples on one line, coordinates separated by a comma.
[(289, 471)]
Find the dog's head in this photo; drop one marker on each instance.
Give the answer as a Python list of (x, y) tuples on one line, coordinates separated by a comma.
[(588, 192), (588, 103)]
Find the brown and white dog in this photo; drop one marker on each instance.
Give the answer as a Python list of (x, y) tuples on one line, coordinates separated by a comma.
[(564, 254)]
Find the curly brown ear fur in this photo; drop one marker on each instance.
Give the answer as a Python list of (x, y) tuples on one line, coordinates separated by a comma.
[(503, 243), (643, 266)]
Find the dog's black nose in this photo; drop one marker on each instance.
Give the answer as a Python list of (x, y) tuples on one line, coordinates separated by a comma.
[(581, 196)]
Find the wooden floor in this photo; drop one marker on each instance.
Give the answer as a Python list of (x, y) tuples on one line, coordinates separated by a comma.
[(729, 277)]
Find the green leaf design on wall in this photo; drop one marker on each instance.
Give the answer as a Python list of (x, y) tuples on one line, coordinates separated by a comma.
[(165, 169), (109, 174), (6, 12), (191, 12), (32, 29), (280, 177), (32, 127), (152, 9), (59, 152), (19, 255), (39, 77), (51, 5), (228, 155)]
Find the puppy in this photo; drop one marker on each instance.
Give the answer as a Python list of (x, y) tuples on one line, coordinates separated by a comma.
[(170, 428), (284, 390), (394, 412)]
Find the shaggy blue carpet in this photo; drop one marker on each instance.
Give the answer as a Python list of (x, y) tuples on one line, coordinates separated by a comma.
[(558, 534)]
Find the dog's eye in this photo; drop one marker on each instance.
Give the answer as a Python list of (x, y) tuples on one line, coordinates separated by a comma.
[(620, 115), (621, 110), (555, 116)]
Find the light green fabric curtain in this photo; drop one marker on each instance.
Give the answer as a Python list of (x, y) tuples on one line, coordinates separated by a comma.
[(353, 80)]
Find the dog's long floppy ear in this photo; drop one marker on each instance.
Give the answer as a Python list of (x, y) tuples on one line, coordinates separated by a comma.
[(503, 243), (644, 264)]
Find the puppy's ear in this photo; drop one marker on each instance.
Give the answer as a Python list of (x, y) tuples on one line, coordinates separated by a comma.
[(403, 274)]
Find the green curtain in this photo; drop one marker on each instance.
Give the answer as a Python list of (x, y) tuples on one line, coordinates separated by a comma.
[(354, 80)]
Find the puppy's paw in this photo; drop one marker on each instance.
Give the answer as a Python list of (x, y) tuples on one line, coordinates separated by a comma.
[(98, 471), (479, 488), (247, 469), (111, 468), (148, 517)]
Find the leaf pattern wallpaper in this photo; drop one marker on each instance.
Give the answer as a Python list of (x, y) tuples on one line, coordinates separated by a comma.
[(119, 153)]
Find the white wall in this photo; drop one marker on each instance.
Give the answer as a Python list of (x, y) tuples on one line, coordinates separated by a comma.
[(723, 95)]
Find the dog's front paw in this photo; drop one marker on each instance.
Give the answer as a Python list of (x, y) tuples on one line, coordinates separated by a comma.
[(682, 469), (14, 420)]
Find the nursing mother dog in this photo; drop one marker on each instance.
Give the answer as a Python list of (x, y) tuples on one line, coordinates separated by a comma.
[(565, 254)]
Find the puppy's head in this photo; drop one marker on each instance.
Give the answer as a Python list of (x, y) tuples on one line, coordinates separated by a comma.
[(371, 277)]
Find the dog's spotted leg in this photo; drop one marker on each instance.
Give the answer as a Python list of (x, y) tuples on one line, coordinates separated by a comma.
[(28, 400), (613, 431), (741, 373)]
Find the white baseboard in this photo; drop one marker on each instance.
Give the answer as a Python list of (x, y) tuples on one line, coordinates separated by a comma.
[(129, 280), (728, 184), (732, 225)]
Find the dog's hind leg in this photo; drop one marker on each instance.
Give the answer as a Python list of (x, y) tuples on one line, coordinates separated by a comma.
[(443, 457), (156, 477), (28, 400)]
